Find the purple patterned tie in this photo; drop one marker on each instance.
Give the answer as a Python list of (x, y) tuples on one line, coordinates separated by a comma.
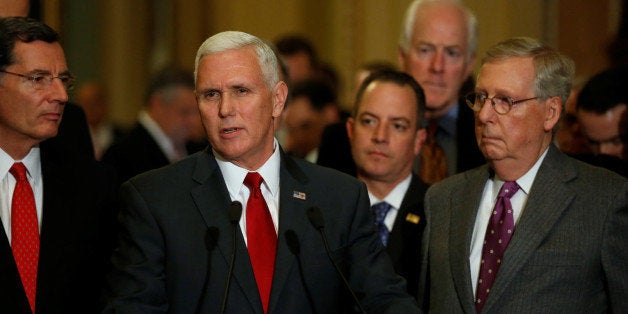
[(379, 212), (498, 233)]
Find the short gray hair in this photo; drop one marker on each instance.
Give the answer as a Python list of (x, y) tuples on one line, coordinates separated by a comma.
[(553, 71), (410, 17), (230, 40)]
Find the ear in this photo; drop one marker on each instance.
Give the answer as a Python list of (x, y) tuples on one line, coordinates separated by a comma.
[(554, 107), (419, 140), (349, 126), (280, 94), (401, 58)]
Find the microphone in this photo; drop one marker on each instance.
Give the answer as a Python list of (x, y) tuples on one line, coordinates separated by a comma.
[(317, 220), (235, 211), (293, 245), (211, 238)]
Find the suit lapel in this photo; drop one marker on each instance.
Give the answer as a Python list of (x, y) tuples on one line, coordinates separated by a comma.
[(212, 199), (59, 201), (294, 202), (549, 196), (464, 207), (411, 204)]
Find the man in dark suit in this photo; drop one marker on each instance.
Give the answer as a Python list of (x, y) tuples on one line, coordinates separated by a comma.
[(437, 47), (176, 240), (163, 128), (386, 134), (58, 207), (534, 230)]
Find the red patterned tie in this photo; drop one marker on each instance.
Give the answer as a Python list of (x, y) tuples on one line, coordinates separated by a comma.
[(498, 233), (262, 238), (25, 232)]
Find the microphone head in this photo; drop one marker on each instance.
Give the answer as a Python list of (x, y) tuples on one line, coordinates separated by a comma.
[(293, 242), (211, 238), (235, 211), (315, 216)]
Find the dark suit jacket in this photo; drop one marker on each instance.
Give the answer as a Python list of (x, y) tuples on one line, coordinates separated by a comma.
[(469, 154), (136, 153), (73, 132), (76, 239), (405, 239), (568, 252), (163, 262)]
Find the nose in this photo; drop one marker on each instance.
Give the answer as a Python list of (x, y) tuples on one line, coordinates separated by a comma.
[(226, 106), (58, 91), (486, 112), (438, 61), (380, 133)]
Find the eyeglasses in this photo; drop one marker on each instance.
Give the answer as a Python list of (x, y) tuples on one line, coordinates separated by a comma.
[(501, 104), (43, 80)]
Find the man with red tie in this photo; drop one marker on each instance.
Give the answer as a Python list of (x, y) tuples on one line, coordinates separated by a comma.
[(56, 206), (179, 241)]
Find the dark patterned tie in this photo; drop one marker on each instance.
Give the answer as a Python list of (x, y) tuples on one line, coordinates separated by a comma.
[(25, 232), (379, 212), (261, 236), (433, 159), (498, 233)]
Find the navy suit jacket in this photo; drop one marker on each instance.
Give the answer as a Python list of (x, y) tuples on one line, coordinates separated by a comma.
[(76, 240), (163, 263), (404, 242)]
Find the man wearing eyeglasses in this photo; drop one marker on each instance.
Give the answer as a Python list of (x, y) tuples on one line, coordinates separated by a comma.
[(533, 230), (56, 205)]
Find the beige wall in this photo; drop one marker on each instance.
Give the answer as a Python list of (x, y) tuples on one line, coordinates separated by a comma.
[(137, 36)]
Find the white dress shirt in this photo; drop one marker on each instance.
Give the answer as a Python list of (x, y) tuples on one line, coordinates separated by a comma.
[(234, 178), (487, 203), (394, 198), (32, 161), (163, 141)]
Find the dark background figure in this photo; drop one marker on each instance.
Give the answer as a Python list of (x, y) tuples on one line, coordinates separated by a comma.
[(168, 122), (437, 47), (601, 111)]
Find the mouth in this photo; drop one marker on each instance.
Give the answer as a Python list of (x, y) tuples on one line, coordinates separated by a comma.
[(378, 154), (229, 130)]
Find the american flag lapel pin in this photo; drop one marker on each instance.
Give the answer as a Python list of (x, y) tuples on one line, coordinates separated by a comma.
[(299, 195)]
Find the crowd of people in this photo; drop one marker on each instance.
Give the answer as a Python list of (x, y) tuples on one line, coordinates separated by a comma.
[(244, 187)]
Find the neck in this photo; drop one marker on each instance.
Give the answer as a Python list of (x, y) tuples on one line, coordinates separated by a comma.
[(380, 188), (511, 169)]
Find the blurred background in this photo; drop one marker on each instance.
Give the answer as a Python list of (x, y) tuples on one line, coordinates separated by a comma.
[(122, 42)]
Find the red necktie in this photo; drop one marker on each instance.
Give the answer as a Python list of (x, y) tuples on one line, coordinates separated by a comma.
[(262, 239), (433, 160), (498, 233), (25, 232)]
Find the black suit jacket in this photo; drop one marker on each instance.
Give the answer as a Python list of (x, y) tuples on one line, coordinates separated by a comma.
[(404, 242), (76, 237), (162, 264), (469, 155), (136, 153)]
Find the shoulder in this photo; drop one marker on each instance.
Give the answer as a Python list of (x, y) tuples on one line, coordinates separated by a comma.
[(310, 173)]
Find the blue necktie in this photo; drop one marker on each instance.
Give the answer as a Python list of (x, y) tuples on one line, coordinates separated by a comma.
[(379, 212)]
